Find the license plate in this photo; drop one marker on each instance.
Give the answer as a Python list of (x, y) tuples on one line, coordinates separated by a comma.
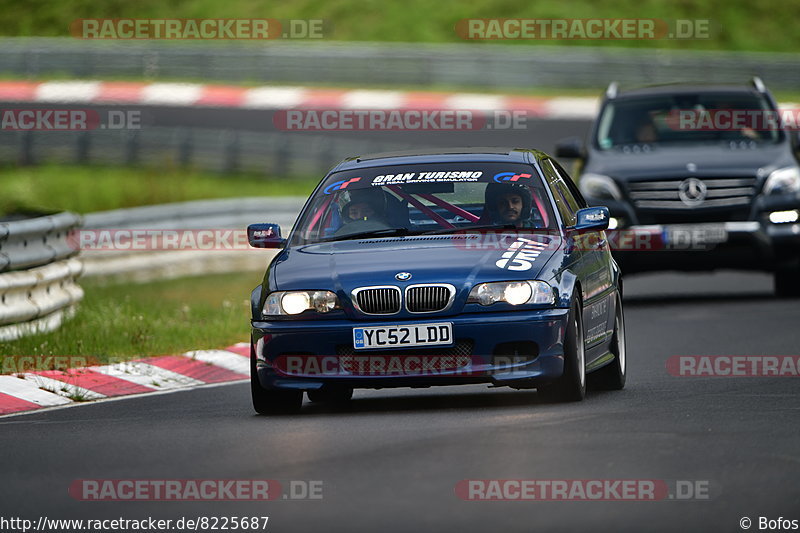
[(694, 236), (438, 334)]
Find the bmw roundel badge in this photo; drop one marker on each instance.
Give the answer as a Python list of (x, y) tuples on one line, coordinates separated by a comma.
[(402, 276)]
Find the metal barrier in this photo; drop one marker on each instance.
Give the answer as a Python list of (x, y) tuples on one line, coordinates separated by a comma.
[(38, 299), (222, 151), (36, 241), (42, 291), (37, 280), (140, 266), (463, 65)]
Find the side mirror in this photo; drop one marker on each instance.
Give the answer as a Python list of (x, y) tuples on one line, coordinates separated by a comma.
[(571, 148), (265, 236), (592, 219)]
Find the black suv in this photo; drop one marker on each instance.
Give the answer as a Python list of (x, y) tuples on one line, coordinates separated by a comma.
[(701, 170)]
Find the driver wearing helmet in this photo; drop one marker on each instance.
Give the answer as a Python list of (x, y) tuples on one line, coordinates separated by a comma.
[(365, 210), (508, 204)]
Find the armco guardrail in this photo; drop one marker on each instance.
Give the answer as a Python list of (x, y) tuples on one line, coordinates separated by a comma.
[(43, 291), (37, 276), (221, 151), (38, 299), (464, 65), (145, 265), (36, 241)]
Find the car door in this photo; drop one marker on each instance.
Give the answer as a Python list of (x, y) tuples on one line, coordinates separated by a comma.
[(593, 268)]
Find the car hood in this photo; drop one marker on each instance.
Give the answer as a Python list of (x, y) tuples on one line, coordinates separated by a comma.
[(461, 261), (697, 160)]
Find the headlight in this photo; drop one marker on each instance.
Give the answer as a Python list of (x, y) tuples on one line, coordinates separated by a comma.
[(783, 181), (295, 302), (599, 186), (512, 292)]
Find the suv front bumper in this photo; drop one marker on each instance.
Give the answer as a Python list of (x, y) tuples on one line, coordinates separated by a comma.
[(747, 245)]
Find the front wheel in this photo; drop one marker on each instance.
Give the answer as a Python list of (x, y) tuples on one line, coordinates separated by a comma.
[(272, 401), (571, 386), (612, 376)]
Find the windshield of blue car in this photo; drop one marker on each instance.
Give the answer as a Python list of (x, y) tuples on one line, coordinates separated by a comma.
[(425, 198), (646, 122)]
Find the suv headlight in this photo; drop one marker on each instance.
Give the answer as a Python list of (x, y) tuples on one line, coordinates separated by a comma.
[(295, 302), (783, 181), (599, 187), (512, 292)]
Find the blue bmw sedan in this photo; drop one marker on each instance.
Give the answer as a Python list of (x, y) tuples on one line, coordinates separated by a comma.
[(455, 266)]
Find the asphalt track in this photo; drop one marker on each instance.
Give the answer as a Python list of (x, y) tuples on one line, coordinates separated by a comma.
[(391, 461)]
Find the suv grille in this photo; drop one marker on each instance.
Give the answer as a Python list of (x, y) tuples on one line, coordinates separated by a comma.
[(378, 300), (664, 193), (429, 298)]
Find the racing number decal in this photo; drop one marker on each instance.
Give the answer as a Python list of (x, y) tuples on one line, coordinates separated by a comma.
[(521, 254)]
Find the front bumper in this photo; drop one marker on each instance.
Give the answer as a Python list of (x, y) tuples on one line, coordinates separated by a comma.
[(749, 245), (520, 349)]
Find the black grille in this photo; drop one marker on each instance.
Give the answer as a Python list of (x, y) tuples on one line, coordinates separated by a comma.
[(379, 300), (664, 193), (428, 298)]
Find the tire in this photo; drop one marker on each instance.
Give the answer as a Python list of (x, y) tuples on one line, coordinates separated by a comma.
[(571, 386), (271, 401), (330, 395), (613, 375), (787, 283)]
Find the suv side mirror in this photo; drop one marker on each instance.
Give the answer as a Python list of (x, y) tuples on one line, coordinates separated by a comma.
[(571, 147), (265, 236), (592, 219)]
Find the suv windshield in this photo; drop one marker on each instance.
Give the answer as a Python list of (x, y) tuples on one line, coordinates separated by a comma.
[(425, 199), (698, 117)]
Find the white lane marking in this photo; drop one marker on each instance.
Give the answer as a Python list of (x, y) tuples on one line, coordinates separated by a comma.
[(571, 107), (373, 99), (30, 392), (224, 359), (67, 91), (274, 97), (147, 375), (63, 388), (171, 93), (476, 102)]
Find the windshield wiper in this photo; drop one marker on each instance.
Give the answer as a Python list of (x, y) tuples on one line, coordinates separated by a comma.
[(444, 231), (386, 232)]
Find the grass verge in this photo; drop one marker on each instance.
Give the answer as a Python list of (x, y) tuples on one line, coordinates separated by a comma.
[(88, 189), (120, 322), (765, 25)]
